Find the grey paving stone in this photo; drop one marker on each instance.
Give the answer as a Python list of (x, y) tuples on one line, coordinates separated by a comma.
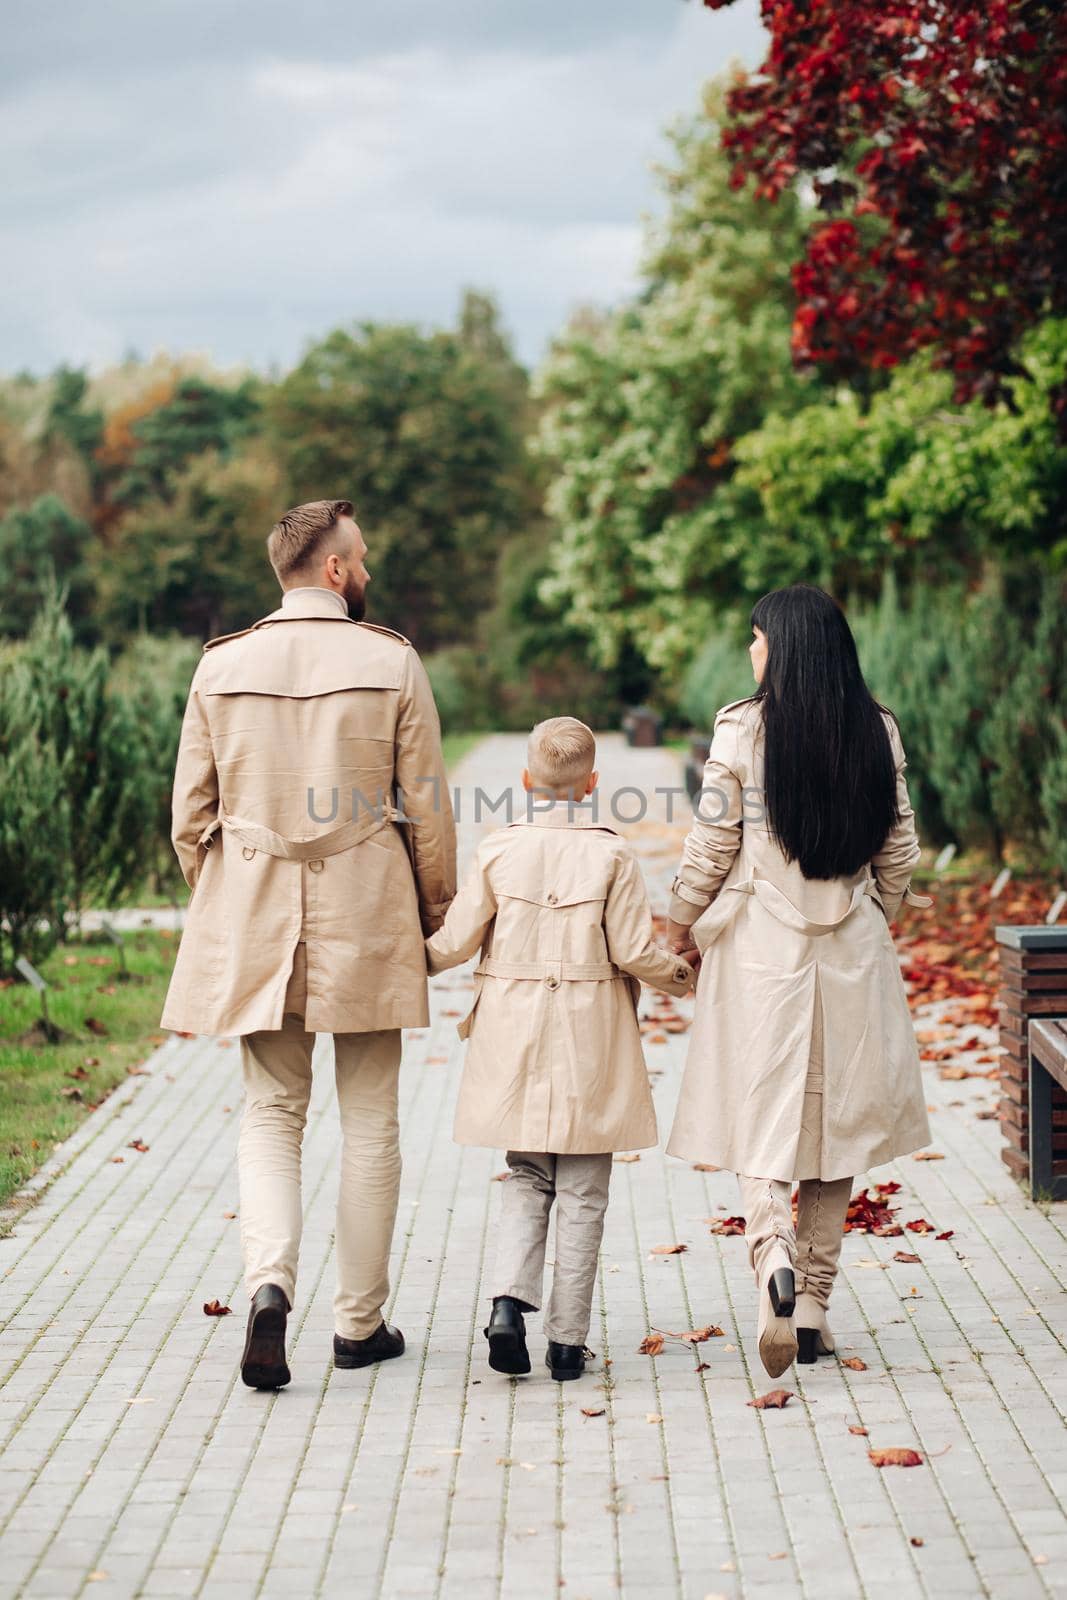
[(396, 1482)]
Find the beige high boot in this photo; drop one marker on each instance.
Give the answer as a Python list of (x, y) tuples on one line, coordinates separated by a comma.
[(821, 1209), (771, 1250)]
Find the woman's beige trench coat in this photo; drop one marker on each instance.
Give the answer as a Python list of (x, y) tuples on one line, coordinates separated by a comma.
[(775, 946), (554, 1064)]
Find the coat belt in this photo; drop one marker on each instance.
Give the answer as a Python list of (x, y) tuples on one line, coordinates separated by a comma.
[(256, 836), (779, 904), (546, 971)]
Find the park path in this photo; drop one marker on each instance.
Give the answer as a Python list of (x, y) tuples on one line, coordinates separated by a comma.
[(135, 1463)]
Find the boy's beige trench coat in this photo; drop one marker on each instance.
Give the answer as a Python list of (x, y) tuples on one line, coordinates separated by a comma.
[(558, 907), (775, 946), (299, 733)]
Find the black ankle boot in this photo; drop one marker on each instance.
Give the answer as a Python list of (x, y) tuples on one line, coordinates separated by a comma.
[(565, 1361), (263, 1364), (507, 1337), (781, 1288)]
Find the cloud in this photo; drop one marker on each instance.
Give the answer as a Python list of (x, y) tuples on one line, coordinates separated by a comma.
[(246, 198)]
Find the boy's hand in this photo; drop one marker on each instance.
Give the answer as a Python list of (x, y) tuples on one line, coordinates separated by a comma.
[(679, 941)]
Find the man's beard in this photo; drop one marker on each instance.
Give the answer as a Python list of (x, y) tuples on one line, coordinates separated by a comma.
[(356, 601)]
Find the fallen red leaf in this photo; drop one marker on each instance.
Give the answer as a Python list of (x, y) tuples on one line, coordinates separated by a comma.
[(948, 1233), (855, 1364), (214, 1308), (896, 1457), (138, 1144), (94, 1025), (855, 1428), (698, 1335), (593, 1411), (668, 1249), (773, 1400), (906, 1255), (500, 1177), (79, 1073), (651, 1345), (703, 1366), (727, 1225), (919, 1225)]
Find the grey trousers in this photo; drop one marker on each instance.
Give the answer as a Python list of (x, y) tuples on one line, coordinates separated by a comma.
[(578, 1185)]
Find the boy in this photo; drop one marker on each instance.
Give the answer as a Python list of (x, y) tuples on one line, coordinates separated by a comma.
[(555, 1073)]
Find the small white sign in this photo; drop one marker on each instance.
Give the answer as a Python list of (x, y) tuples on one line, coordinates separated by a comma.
[(944, 857), (1000, 882), (1056, 907), (31, 974)]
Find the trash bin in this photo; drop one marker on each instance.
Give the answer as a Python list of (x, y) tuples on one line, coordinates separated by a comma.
[(1033, 983), (643, 728)]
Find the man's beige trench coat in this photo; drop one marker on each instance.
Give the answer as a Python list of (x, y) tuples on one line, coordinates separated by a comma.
[(775, 945), (554, 1064), (299, 734)]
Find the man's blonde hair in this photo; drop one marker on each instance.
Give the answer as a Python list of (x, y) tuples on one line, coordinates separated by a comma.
[(298, 537), (560, 753)]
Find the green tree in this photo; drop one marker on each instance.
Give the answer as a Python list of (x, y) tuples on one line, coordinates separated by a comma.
[(152, 675), (39, 544), (100, 755), (69, 417), (424, 432), (850, 487), (195, 561), (643, 410), (199, 416), (35, 875)]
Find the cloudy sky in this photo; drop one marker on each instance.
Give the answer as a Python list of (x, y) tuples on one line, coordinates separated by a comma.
[(239, 176)]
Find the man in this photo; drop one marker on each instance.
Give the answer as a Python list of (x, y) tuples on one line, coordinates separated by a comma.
[(312, 821)]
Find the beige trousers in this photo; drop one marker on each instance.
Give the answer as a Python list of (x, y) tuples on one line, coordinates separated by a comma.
[(578, 1186), (276, 1064)]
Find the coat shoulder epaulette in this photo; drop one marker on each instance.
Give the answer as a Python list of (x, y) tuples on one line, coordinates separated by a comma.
[(390, 633), (735, 705), (222, 638)]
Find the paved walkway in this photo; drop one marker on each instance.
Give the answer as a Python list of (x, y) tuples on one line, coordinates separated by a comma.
[(134, 1462)]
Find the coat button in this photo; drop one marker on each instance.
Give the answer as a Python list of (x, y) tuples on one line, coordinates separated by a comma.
[(550, 899), (552, 981), (316, 865), (248, 852)]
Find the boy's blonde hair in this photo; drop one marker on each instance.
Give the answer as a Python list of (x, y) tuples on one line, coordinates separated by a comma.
[(560, 753)]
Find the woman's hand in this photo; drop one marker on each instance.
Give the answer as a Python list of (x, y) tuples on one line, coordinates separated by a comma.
[(679, 941)]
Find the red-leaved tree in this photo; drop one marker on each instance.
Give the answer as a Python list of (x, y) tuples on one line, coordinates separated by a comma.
[(933, 134)]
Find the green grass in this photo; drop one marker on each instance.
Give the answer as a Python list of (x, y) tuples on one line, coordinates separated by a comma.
[(35, 1113), (456, 745)]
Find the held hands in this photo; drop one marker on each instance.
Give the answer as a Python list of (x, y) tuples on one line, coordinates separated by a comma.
[(679, 941)]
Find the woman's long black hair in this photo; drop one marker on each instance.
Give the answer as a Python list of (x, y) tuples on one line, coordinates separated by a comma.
[(829, 774)]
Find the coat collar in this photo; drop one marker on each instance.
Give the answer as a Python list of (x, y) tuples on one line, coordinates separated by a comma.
[(538, 813), (309, 601)]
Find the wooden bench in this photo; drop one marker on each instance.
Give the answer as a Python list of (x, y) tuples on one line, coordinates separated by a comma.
[(1048, 1065)]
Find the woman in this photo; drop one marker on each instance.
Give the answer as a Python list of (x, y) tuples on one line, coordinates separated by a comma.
[(802, 1059)]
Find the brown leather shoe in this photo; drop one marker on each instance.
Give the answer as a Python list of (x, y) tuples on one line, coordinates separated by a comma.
[(382, 1345), (263, 1365)]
